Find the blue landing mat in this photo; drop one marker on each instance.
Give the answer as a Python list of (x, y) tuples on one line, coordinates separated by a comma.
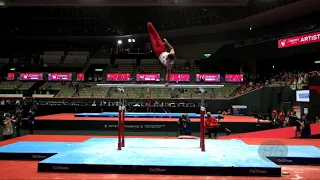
[(142, 114), (27, 150), (161, 156)]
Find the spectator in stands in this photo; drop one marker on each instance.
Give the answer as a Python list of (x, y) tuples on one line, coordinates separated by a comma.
[(274, 115), (221, 116), (8, 126), (282, 117), (18, 118), (211, 125), (184, 125), (187, 125), (181, 126), (77, 88), (293, 119), (31, 120), (298, 128), (201, 79), (306, 129), (227, 112)]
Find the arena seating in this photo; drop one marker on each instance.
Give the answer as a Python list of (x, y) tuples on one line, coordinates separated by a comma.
[(102, 53), (72, 59), (94, 75), (93, 91), (151, 68), (76, 58), (122, 68), (65, 89), (15, 85), (180, 69)]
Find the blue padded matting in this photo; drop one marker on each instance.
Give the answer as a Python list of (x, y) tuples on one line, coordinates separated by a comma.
[(34, 150), (137, 114), (160, 156)]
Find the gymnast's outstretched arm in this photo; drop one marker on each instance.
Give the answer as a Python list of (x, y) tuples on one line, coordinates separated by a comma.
[(169, 67)]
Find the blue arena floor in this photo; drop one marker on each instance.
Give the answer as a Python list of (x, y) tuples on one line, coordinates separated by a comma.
[(137, 114), (161, 156)]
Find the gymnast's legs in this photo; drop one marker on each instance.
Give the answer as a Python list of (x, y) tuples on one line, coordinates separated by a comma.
[(156, 41)]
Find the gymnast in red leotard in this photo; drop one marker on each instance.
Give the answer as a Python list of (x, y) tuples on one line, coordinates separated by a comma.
[(160, 49)]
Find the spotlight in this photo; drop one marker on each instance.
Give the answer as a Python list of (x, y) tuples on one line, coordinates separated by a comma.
[(129, 40), (119, 42), (133, 40)]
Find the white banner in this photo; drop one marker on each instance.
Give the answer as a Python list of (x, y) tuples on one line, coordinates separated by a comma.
[(303, 96)]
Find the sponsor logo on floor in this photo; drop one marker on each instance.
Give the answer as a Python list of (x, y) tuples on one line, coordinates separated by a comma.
[(157, 170), (38, 156), (257, 171), (60, 168), (272, 148)]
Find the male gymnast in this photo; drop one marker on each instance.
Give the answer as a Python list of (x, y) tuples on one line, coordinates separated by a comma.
[(160, 49)]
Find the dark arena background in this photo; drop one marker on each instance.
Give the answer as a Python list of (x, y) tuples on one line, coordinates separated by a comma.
[(83, 94)]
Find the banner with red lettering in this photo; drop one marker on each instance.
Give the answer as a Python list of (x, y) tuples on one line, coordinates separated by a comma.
[(31, 76), (207, 77), (118, 77), (60, 77), (80, 77), (148, 77), (180, 78), (11, 77), (299, 40), (236, 78)]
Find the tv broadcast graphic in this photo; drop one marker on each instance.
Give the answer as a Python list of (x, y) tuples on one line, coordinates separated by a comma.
[(180, 78), (11, 76), (31, 76), (148, 77), (80, 77), (234, 78), (207, 77), (60, 77), (303, 96), (118, 77), (299, 40)]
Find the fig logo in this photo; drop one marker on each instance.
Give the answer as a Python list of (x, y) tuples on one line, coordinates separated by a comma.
[(38, 157), (157, 170), (282, 43), (284, 160), (60, 168), (272, 148), (257, 171)]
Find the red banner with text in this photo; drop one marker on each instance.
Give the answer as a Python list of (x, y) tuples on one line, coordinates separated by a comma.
[(299, 40)]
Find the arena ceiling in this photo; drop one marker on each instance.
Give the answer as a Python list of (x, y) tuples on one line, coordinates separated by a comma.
[(123, 17)]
